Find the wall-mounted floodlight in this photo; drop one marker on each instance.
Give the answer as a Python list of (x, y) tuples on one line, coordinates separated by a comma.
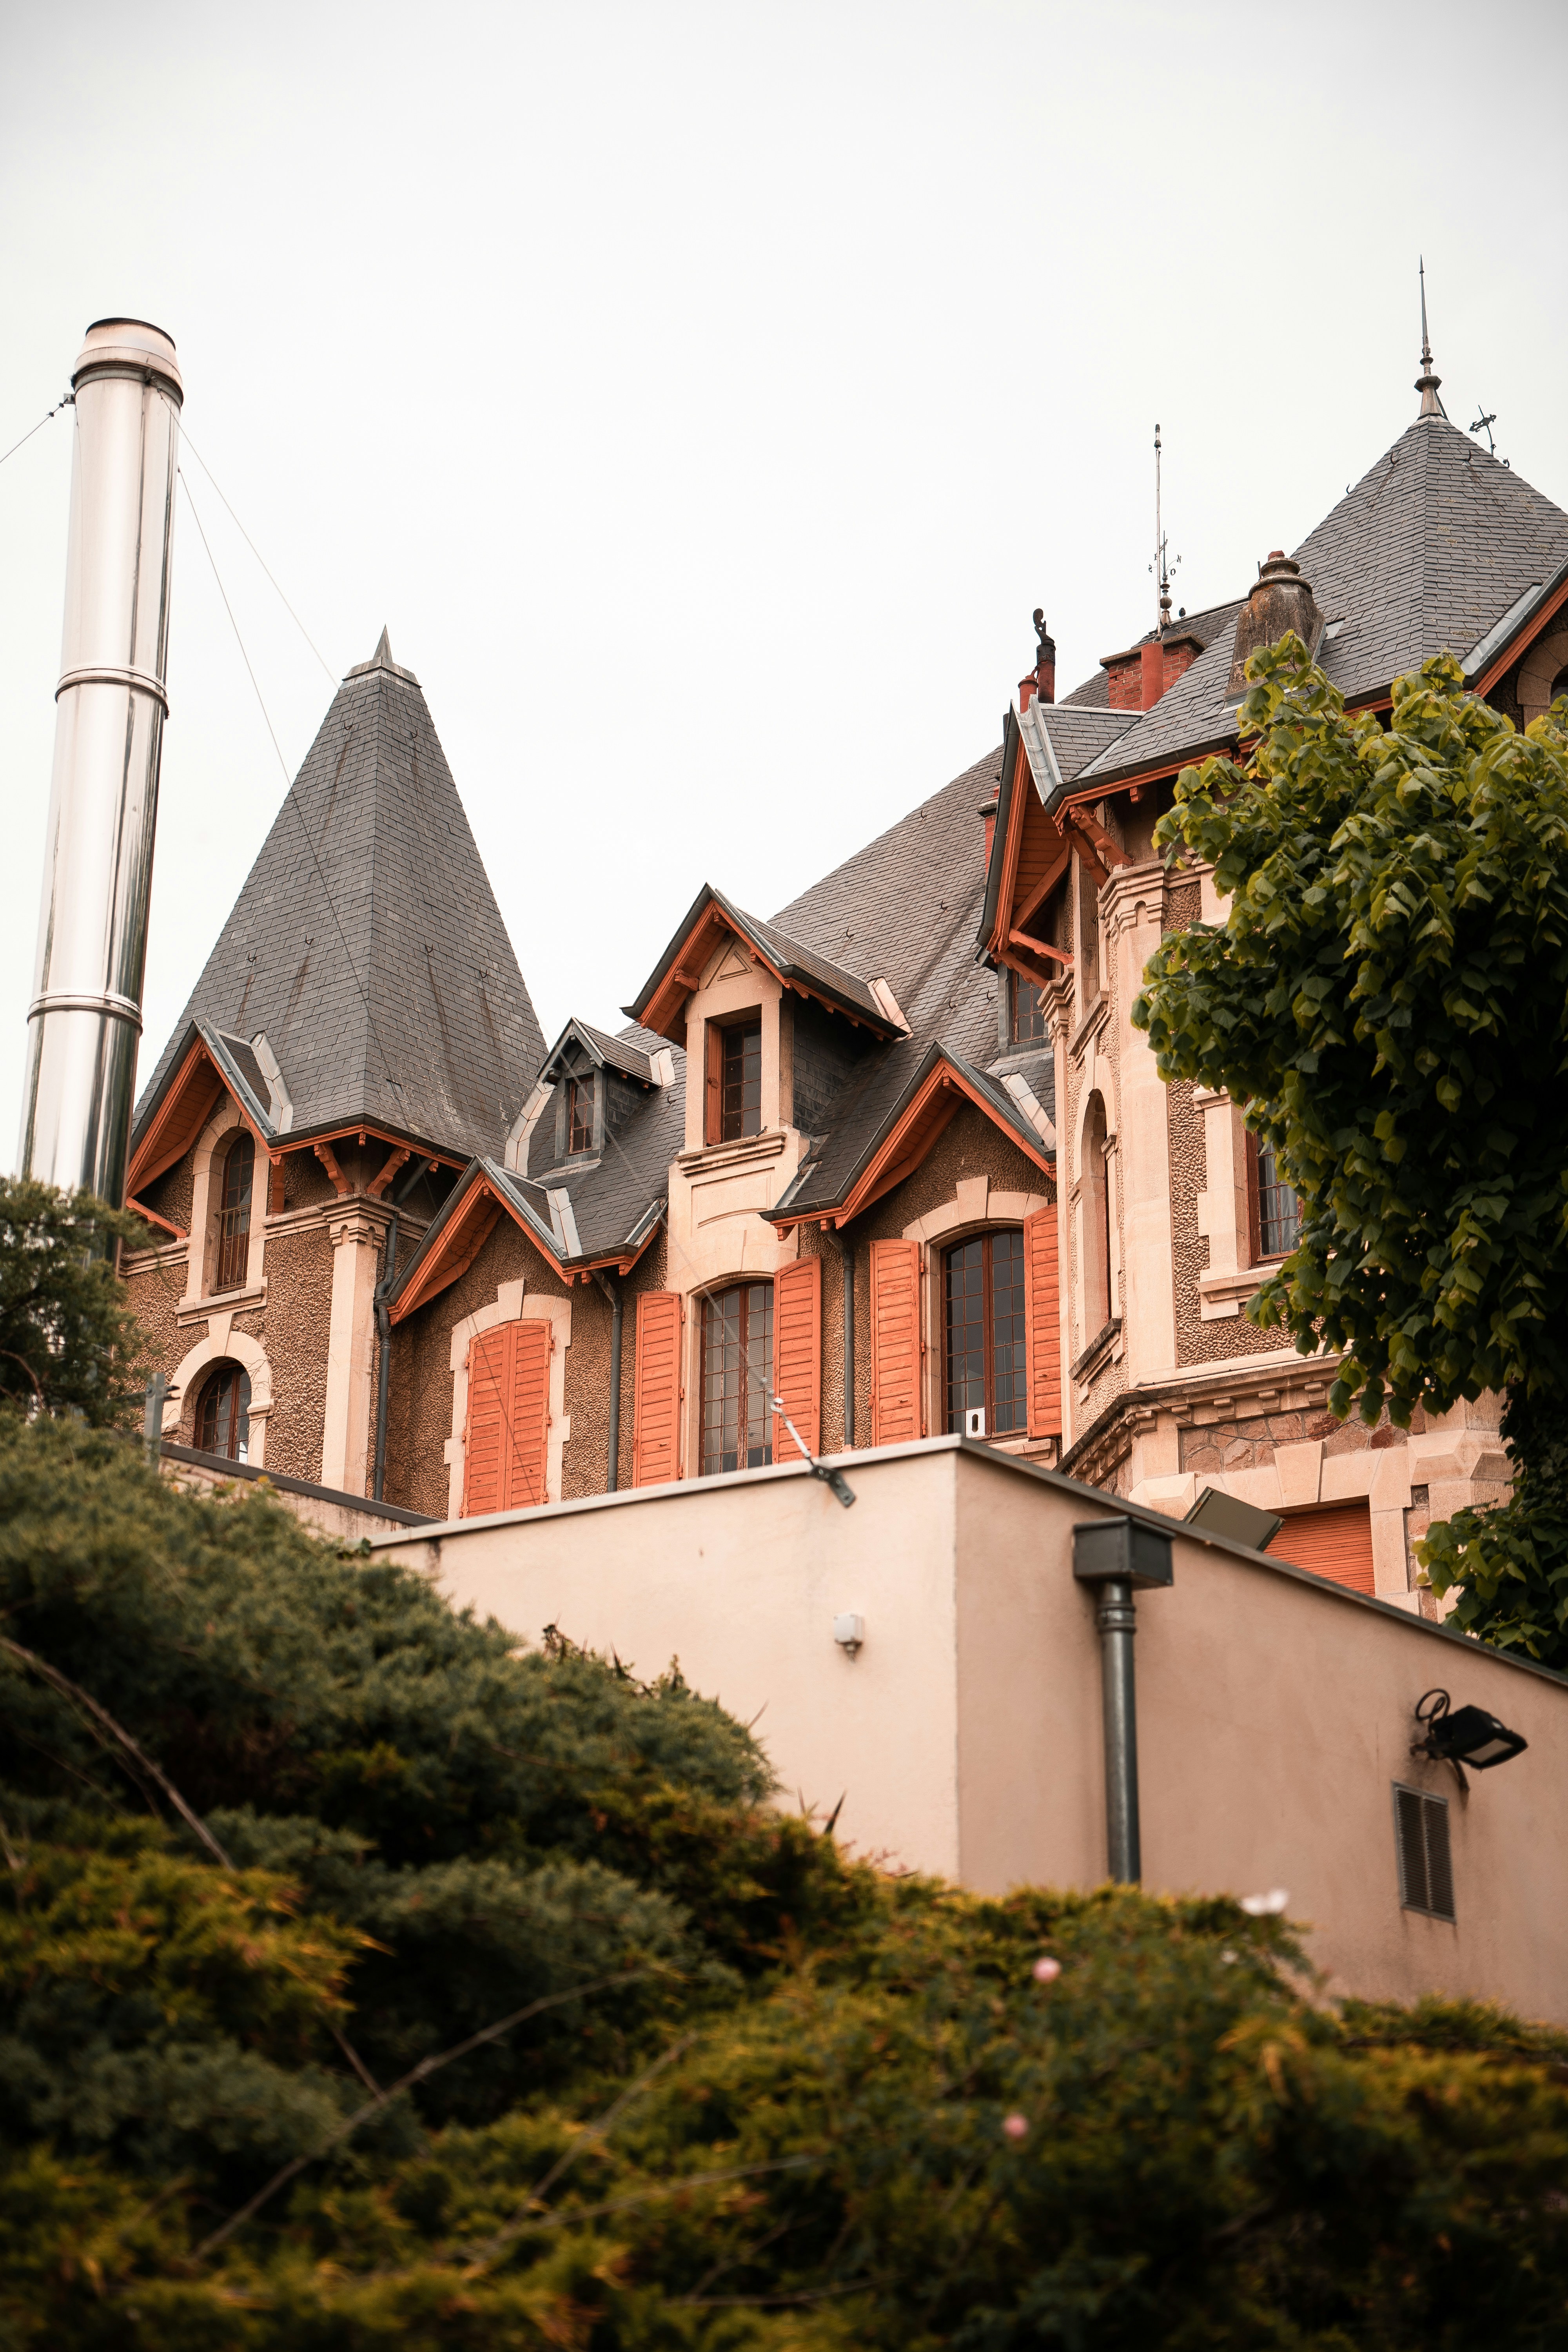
[(1118, 1555), (1216, 1514), (1464, 1735), (849, 1631)]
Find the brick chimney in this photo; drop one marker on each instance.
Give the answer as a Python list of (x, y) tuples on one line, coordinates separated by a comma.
[(1042, 679), (1136, 680), (988, 813)]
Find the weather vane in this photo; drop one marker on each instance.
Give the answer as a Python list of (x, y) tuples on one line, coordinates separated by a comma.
[(1161, 566), (1484, 424)]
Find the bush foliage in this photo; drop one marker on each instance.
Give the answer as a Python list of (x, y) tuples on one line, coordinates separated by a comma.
[(68, 1340), (1388, 998), (760, 2096)]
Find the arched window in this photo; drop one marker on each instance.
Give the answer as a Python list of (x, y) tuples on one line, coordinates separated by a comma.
[(233, 1214), (986, 1336), (223, 1412), (1094, 1198), (737, 1378)]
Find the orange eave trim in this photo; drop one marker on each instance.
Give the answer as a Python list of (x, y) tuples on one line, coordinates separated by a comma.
[(665, 1014), (923, 1120), (459, 1245), (1532, 629), (173, 1132)]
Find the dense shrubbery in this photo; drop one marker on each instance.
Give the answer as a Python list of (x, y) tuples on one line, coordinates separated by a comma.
[(779, 2100)]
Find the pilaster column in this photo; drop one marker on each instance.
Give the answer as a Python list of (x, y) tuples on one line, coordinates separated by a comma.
[(345, 1438), (1058, 1004), (1132, 908)]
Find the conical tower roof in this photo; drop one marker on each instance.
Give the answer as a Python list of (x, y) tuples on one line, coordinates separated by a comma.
[(367, 943)]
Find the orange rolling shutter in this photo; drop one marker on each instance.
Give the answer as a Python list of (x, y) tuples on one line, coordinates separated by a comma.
[(1331, 1540), (797, 1355), (656, 1425), (528, 1397), (482, 1453), (896, 1416), (1042, 1328)]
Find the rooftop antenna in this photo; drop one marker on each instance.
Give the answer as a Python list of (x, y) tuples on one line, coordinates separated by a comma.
[(1484, 424), (1427, 383), (1161, 566)]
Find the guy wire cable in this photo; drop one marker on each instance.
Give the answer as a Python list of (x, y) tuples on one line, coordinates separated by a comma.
[(69, 402), (283, 599)]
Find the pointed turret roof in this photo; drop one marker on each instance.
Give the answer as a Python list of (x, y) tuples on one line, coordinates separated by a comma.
[(367, 943)]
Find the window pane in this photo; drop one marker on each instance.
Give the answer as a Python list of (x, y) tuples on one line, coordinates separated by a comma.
[(737, 1378), (1279, 1210), (223, 1416), (740, 1082), (1028, 1011), (965, 1330), (1008, 1416), (580, 1114), (234, 1217)]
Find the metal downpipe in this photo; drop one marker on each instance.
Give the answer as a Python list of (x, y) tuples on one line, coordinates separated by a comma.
[(384, 1356), (1116, 1619), (613, 1292)]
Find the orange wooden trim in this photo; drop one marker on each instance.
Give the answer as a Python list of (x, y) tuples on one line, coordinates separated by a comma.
[(388, 1170), (173, 1113), (451, 1257), (1042, 891), (797, 1354), (141, 1209), (328, 1158), (1012, 847), (1039, 947), (909, 1142), (1534, 628), (1109, 852)]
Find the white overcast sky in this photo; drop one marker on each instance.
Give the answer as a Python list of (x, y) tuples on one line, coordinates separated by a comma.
[(703, 396)]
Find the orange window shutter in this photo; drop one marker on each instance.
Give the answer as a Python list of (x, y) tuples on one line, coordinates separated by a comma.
[(528, 1403), (1042, 1328), (797, 1355), (896, 1415), (655, 1418), (483, 1439)]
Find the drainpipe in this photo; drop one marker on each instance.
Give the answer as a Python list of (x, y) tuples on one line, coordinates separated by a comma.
[(613, 1292), (1117, 1556), (847, 1252), (383, 1354)]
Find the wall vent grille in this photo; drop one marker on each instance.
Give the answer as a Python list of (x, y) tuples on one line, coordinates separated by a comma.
[(1425, 1865)]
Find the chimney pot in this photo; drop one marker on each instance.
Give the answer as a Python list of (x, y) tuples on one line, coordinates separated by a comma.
[(1280, 600)]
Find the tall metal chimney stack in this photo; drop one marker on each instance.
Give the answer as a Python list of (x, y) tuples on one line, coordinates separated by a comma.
[(85, 1018)]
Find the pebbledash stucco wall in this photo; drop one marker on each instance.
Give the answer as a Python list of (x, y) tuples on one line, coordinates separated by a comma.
[(965, 1738)]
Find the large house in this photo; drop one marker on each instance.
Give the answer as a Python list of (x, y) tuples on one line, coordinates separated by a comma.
[(893, 1158)]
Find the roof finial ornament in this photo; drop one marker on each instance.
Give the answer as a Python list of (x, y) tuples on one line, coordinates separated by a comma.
[(1427, 383), (1161, 566)]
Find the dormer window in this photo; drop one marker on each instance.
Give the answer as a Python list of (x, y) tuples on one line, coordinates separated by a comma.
[(234, 1216), (1028, 1012), (580, 1104), (740, 1057)]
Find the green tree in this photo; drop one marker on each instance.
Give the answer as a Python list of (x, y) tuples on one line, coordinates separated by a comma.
[(280, 1831), (1388, 999), (68, 1342)]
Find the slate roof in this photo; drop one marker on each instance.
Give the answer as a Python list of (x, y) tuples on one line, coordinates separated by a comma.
[(1061, 742), (789, 956), (1424, 554), (616, 1051), (415, 1015)]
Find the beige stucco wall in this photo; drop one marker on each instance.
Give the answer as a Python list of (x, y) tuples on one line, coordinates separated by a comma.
[(965, 1738)]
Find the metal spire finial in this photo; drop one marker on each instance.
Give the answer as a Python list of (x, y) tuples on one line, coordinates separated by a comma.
[(1427, 383)]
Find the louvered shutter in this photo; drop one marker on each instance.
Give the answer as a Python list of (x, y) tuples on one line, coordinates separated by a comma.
[(1333, 1539), (483, 1461), (528, 1403), (896, 1416), (656, 1424), (1043, 1323), (797, 1355)]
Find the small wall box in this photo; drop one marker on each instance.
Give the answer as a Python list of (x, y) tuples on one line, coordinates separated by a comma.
[(975, 1420), (1105, 1548)]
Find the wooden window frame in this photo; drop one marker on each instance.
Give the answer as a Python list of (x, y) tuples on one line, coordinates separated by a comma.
[(225, 1372), (1016, 1034), (1020, 1404), (577, 1088), (711, 1300), (717, 1032), (231, 1261), (1261, 1255)]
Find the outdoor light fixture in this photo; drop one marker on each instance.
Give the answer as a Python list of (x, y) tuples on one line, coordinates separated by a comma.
[(1465, 1734), (1118, 1555), (849, 1631)]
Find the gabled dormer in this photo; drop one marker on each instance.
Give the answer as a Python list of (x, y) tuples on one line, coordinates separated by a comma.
[(772, 1030), (589, 1089)]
